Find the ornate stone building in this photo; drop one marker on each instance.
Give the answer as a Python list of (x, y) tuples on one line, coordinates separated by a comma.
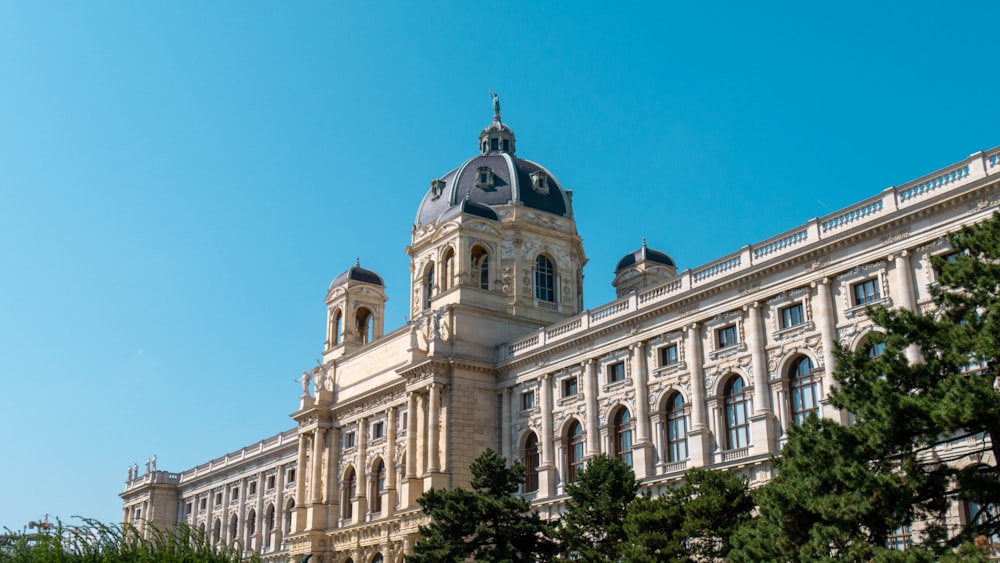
[(704, 367)]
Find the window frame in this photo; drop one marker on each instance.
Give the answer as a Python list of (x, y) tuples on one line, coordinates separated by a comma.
[(621, 436), (864, 297), (616, 372), (804, 393), (545, 279), (569, 383), (723, 334), (792, 315), (669, 355), (736, 414), (675, 428)]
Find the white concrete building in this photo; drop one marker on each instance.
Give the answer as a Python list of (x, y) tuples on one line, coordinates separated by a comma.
[(703, 367)]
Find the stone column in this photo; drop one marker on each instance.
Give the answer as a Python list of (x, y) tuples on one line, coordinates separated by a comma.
[(546, 467), (298, 520), (411, 483), (421, 428), (389, 506), (762, 419), (361, 507), (433, 428), (593, 416), (505, 421), (642, 448), (241, 524), (699, 435), (332, 478), (826, 320), (315, 481), (907, 297)]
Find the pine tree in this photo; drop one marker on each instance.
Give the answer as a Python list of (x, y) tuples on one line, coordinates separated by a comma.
[(487, 523), (593, 520), (690, 522)]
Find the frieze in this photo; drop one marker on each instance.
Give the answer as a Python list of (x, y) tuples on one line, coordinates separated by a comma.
[(748, 288), (817, 264), (689, 310), (507, 250), (933, 245), (896, 235), (984, 203)]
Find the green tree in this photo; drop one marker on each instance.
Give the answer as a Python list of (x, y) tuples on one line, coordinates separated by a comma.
[(841, 491), (593, 519), (93, 541), (690, 522), (487, 523)]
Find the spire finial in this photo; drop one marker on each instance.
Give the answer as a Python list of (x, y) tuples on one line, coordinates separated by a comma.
[(357, 262), (496, 105), (468, 195), (644, 242)]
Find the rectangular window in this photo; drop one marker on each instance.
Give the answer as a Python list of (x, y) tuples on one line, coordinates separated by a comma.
[(378, 430), (218, 499), (291, 475), (668, 355), (865, 292), (792, 316), (203, 504), (348, 440), (270, 482), (569, 387), (236, 493), (253, 489), (726, 336), (616, 372), (187, 509), (527, 400), (402, 420)]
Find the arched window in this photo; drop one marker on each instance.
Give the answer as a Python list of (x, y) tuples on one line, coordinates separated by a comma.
[(805, 390), (480, 267), (350, 491), (338, 327), (288, 516), (545, 279), (377, 558), (233, 528), (874, 349), (378, 486), (448, 275), (428, 285), (251, 522), (623, 436), (365, 324), (737, 415), (216, 531), (268, 524), (574, 450), (676, 429), (531, 463)]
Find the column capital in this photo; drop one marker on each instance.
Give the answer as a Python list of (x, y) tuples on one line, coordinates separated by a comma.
[(588, 361), (692, 327), (752, 305), (546, 377), (816, 283), (637, 345)]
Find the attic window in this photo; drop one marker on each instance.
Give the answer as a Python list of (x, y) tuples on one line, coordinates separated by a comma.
[(484, 178), (437, 186), (540, 182)]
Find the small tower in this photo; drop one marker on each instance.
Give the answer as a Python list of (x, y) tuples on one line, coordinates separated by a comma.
[(643, 268), (355, 310)]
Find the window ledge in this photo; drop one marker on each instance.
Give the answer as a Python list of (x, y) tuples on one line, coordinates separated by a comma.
[(616, 385), (568, 400), (860, 310), (794, 330), (669, 369), (728, 351)]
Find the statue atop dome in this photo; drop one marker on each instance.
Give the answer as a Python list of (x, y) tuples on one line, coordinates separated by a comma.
[(496, 104)]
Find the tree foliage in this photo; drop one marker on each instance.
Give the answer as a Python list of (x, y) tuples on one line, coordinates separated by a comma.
[(841, 491), (487, 523), (593, 519), (691, 522), (95, 542)]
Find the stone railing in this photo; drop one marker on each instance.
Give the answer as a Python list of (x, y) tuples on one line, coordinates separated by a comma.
[(266, 446), (974, 168)]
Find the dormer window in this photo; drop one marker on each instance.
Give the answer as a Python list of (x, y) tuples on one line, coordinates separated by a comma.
[(540, 182), (437, 186), (484, 178), (494, 144)]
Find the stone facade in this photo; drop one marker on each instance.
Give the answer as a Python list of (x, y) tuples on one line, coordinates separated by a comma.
[(706, 367)]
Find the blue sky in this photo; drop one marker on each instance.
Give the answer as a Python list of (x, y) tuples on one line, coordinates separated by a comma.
[(179, 182)]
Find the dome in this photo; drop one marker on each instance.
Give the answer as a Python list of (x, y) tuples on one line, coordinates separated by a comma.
[(494, 178), (357, 273), (644, 254), (470, 207)]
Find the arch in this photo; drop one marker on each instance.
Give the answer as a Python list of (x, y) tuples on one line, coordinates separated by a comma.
[(480, 267), (216, 531), (621, 435), (574, 449), (675, 426), (377, 485), (803, 388), (338, 326), (737, 413), (378, 558), (865, 339), (545, 279), (349, 492), (531, 462), (447, 268), (428, 291), (364, 323), (268, 524), (234, 528), (288, 515), (251, 521)]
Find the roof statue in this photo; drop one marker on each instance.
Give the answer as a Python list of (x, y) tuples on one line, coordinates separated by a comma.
[(496, 104)]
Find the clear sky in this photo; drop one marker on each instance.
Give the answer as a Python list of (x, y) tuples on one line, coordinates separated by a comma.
[(180, 181)]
